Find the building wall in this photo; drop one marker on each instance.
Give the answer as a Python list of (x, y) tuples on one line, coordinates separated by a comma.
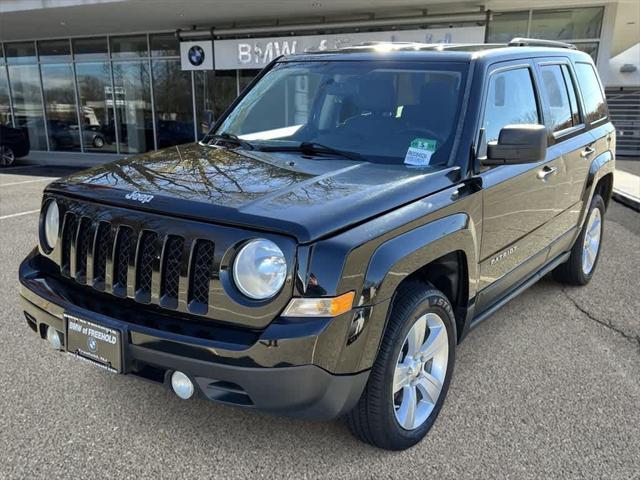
[(126, 94)]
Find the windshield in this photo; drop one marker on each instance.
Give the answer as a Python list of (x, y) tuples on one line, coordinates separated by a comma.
[(384, 112)]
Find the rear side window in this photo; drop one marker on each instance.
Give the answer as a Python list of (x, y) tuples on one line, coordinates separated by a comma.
[(510, 100), (594, 107), (555, 91), (571, 87)]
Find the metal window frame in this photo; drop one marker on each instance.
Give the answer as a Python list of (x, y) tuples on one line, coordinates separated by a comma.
[(77, 96)]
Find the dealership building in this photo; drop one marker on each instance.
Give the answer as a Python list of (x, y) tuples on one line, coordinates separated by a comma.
[(92, 80)]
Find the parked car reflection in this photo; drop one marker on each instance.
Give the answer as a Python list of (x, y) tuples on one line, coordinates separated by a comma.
[(14, 143), (65, 135)]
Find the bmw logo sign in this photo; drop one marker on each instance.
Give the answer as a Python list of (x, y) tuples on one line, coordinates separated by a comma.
[(196, 56), (92, 344)]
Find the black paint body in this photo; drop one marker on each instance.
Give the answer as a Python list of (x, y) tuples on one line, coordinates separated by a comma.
[(476, 232)]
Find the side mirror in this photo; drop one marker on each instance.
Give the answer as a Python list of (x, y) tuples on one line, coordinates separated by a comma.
[(518, 144)]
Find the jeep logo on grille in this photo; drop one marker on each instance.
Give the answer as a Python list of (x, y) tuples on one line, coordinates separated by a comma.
[(139, 197)]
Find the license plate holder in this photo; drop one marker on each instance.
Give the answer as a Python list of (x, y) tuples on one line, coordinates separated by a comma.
[(94, 343)]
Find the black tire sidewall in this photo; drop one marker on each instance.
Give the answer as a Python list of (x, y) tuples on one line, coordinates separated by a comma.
[(596, 202), (432, 302)]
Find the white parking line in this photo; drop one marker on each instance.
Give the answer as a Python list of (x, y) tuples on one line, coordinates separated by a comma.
[(19, 214), (49, 179), (21, 167)]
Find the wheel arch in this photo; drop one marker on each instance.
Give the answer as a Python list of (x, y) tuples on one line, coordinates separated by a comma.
[(442, 253)]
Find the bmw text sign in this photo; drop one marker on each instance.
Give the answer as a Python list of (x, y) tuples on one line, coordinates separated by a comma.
[(196, 55), (248, 53)]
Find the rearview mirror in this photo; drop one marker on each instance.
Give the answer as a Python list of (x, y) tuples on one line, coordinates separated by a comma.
[(518, 144)]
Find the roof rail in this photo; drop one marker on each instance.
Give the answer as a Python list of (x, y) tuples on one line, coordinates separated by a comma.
[(535, 42)]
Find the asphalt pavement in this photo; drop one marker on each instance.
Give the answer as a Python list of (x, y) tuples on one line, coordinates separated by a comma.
[(548, 387)]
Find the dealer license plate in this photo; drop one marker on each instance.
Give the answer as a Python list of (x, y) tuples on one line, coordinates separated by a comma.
[(96, 344)]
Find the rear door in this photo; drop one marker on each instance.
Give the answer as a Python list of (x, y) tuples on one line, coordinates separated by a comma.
[(519, 200), (570, 143)]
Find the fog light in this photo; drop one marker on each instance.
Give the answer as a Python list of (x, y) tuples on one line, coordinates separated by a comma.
[(54, 338), (182, 386)]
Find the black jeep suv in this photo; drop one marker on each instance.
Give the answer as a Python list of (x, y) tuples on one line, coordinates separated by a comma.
[(342, 227)]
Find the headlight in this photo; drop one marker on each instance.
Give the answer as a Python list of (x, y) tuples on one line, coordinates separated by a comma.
[(51, 225), (259, 269)]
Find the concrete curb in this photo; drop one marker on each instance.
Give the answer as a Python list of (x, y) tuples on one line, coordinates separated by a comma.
[(628, 200), (626, 189)]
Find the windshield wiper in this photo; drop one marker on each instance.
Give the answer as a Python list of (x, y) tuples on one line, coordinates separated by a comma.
[(230, 137), (312, 148)]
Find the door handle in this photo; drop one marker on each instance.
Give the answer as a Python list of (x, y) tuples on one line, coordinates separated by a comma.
[(587, 151), (546, 171)]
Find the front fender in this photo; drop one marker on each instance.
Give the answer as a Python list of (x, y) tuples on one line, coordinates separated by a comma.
[(399, 257)]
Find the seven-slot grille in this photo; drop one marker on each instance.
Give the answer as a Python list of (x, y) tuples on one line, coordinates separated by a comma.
[(121, 261)]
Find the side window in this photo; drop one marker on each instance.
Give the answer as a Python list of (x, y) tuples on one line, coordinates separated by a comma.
[(594, 107), (571, 87), (510, 100), (557, 96)]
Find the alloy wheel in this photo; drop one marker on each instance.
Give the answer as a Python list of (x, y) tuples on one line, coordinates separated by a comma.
[(7, 157), (420, 371), (591, 243)]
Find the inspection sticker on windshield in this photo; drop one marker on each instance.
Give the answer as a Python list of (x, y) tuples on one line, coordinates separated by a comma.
[(420, 151)]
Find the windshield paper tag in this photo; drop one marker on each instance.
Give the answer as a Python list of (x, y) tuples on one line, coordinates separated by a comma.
[(420, 152)]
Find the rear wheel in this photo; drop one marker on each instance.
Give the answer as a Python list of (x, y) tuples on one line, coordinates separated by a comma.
[(98, 141), (410, 378), (7, 156), (581, 265)]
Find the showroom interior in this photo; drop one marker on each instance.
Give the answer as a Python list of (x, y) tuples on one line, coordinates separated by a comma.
[(91, 97)]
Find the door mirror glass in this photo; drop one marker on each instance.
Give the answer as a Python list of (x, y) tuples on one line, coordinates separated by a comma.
[(518, 144)]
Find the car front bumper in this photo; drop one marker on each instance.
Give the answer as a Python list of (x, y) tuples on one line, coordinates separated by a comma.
[(232, 367)]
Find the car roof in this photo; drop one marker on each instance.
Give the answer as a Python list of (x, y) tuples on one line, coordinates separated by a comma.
[(444, 52)]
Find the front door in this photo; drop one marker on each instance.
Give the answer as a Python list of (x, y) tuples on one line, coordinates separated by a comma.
[(518, 200)]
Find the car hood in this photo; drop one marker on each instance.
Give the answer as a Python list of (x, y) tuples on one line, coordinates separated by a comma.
[(278, 192)]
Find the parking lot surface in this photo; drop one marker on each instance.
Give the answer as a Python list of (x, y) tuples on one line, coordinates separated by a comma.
[(549, 387)]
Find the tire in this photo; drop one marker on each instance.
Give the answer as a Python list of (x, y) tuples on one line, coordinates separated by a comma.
[(578, 270), (7, 156), (98, 142), (376, 418)]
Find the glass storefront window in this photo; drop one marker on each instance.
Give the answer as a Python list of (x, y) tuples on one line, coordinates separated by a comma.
[(132, 97), (246, 76), (1, 54), (96, 106), (60, 107), (54, 51), (566, 24), (503, 27), (87, 49), (132, 46), (5, 106), (22, 52), (588, 47), (164, 45), (204, 82), (173, 103), (27, 103), (225, 91)]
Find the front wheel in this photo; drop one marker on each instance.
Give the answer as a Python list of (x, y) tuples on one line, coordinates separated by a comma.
[(411, 375), (7, 156), (581, 265)]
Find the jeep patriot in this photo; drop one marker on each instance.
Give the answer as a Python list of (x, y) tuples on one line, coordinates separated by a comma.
[(344, 224)]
